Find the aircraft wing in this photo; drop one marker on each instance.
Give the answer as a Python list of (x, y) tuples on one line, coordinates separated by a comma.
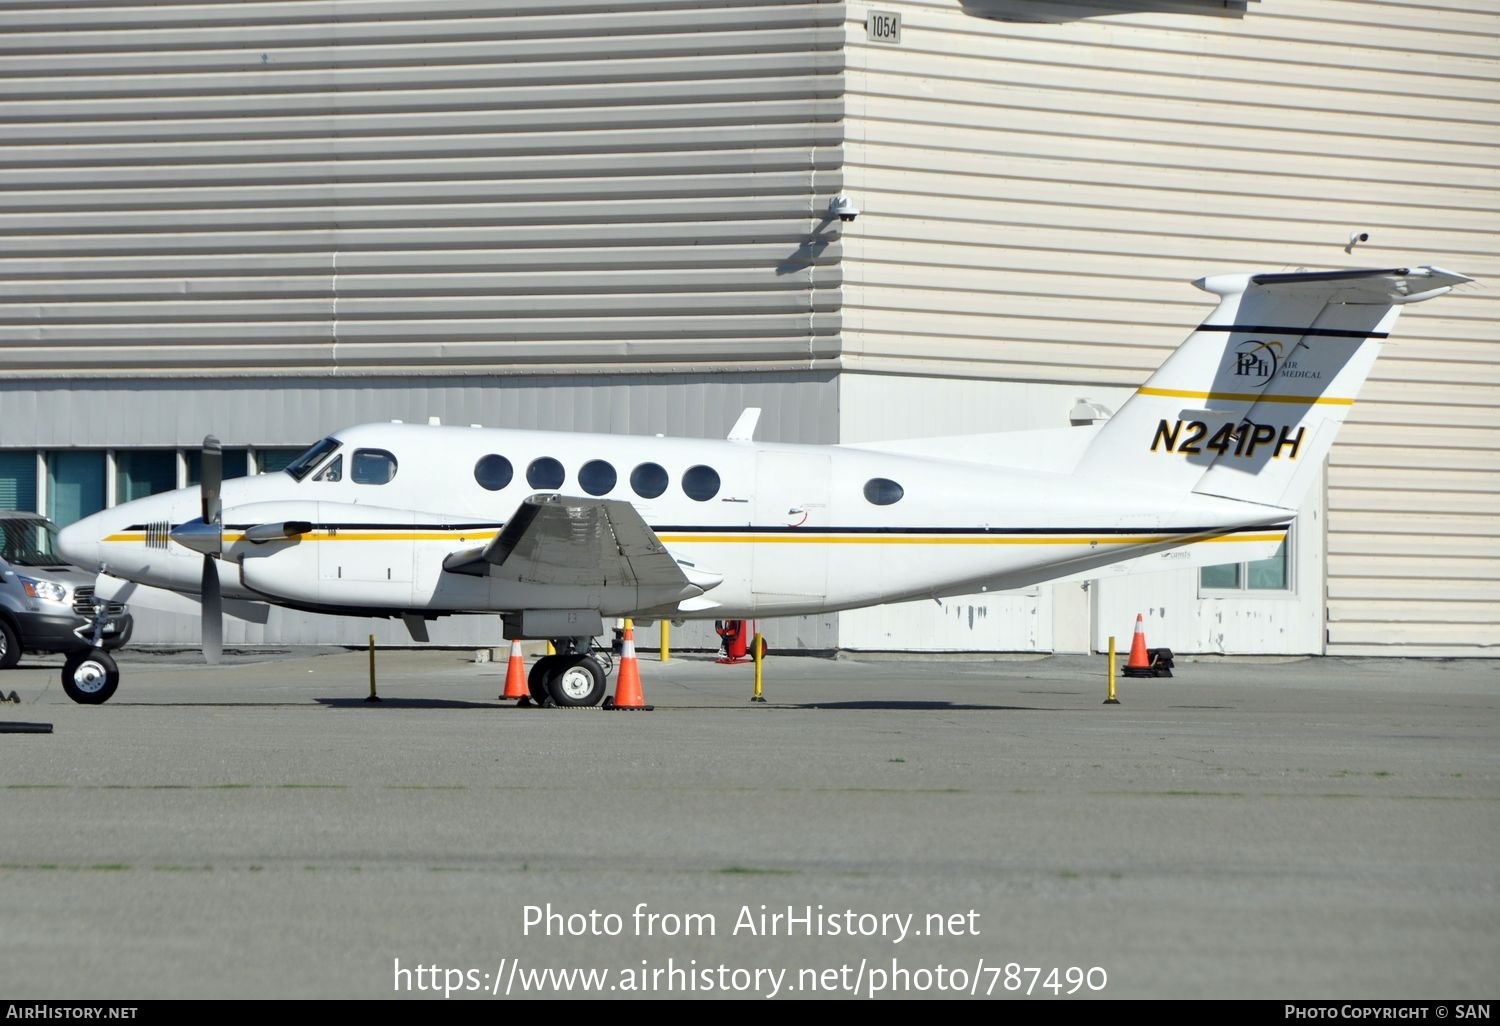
[(565, 540)]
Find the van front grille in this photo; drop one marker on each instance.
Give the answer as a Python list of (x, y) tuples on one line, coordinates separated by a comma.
[(83, 603)]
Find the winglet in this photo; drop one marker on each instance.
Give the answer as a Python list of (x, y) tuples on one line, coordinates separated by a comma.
[(744, 428)]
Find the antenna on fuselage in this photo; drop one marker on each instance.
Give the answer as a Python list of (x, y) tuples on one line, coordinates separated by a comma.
[(744, 428)]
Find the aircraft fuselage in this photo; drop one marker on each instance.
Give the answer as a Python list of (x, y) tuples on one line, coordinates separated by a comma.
[(759, 529)]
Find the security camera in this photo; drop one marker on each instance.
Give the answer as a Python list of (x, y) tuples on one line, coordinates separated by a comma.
[(843, 208), (1355, 238)]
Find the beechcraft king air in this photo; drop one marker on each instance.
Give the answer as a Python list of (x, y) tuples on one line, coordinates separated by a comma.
[(557, 531)]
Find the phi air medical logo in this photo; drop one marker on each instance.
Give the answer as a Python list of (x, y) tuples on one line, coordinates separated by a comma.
[(1257, 359)]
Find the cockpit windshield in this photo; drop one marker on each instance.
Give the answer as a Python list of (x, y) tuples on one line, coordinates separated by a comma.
[(304, 464), (29, 542)]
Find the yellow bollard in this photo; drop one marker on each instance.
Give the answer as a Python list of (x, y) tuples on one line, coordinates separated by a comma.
[(759, 648), (666, 641), (1111, 700), (373, 697)]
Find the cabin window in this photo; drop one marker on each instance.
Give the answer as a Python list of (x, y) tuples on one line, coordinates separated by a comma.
[(372, 467), (701, 483), (597, 477), (302, 465), (648, 480), (333, 472), (493, 472), (882, 491), (545, 472)]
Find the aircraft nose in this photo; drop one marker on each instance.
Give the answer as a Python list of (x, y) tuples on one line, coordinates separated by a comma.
[(79, 543)]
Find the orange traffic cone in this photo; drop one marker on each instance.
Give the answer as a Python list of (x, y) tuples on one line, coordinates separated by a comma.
[(628, 689), (515, 674), (1139, 664)]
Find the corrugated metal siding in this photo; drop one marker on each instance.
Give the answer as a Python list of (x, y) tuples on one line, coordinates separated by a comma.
[(416, 186), (1039, 186), (135, 413)]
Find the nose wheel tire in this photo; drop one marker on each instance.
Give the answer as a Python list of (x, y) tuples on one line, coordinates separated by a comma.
[(576, 680), (90, 677)]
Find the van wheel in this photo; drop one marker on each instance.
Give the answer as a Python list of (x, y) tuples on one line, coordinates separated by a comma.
[(90, 677), (10, 646)]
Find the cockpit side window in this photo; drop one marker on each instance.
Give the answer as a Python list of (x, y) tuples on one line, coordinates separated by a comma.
[(372, 467), (304, 464), (334, 471)]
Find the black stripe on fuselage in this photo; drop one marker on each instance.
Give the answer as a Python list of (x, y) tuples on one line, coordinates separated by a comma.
[(1272, 329)]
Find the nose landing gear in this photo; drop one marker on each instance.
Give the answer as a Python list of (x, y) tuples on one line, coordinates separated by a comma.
[(90, 676)]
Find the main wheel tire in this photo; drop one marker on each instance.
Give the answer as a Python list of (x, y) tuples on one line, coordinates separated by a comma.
[(536, 680), (90, 677), (576, 681), (10, 646)]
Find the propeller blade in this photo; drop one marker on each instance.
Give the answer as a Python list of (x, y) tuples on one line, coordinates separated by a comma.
[(210, 478), (213, 613)]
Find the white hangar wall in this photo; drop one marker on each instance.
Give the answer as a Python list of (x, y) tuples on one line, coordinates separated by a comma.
[(1040, 182)]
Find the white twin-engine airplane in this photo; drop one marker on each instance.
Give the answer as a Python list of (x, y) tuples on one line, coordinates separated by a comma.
[(557, 531)]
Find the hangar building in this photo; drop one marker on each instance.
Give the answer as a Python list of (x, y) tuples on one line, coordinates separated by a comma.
[(270, 219)]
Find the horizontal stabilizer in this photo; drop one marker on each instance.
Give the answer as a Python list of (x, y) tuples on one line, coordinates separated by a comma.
[(1394, 285)]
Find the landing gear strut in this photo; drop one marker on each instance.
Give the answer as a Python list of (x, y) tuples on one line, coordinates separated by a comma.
[(572, 677), (90, 676)]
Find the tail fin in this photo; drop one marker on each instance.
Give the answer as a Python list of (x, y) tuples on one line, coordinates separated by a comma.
[(1249, 405)]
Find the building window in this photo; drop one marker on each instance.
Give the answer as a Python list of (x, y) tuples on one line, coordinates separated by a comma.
[(236, 464), (648, 480), (1273, 574), (143, 472), (597, 477), (18, 481), (75, 485), (372, 467), (493, 472), (701, 483)]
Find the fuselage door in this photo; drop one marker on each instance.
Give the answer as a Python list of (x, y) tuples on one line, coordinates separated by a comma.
[(789, 560)]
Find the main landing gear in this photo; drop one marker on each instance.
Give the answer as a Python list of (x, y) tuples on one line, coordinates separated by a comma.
[(573, 677)]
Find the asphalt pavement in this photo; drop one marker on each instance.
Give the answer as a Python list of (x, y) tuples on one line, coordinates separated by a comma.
[(1288, 829)]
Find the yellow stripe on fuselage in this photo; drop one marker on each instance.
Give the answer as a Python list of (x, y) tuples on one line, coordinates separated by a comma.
[(1248, 397)]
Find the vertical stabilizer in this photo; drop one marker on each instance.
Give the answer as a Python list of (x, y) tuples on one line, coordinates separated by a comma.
[(1250, 404)]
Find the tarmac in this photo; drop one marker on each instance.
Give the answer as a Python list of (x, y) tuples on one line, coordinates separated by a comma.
[(1283, 829)]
